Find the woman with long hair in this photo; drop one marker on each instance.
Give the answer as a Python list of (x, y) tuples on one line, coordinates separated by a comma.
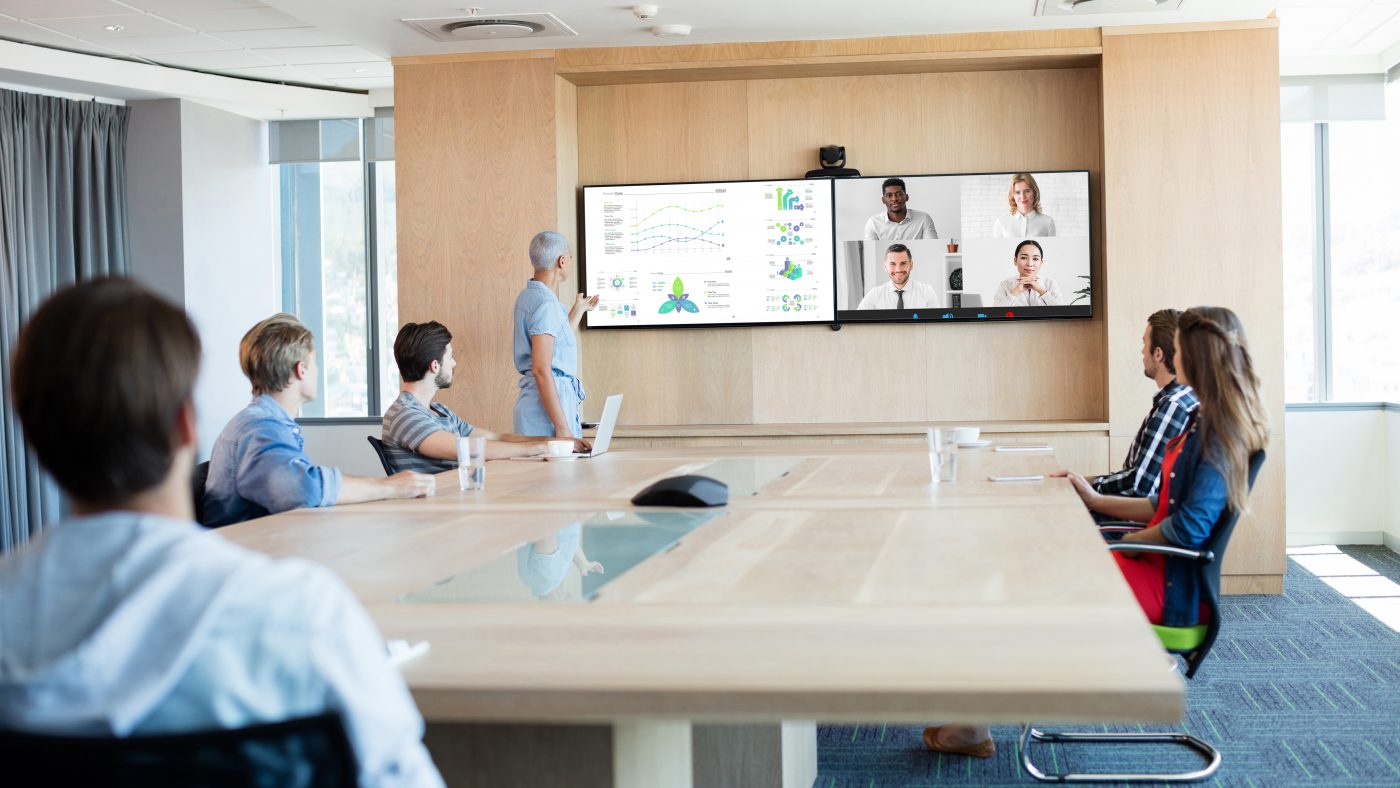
[(1205, 473)]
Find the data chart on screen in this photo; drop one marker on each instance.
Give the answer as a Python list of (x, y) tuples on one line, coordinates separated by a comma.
[(694, 254)]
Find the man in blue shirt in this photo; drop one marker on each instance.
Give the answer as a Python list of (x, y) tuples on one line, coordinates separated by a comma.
[(129, 619), (259, 464), (546, 350)]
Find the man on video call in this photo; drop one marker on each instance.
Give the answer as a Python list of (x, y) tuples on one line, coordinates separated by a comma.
[(900, 292), (898, 222)]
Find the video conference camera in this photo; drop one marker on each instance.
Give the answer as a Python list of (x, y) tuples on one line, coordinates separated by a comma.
[(833, 161)]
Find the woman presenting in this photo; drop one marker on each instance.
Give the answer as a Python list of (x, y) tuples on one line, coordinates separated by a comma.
[(1025, 219), (1205, 474), (1027, 287), (546, 350)]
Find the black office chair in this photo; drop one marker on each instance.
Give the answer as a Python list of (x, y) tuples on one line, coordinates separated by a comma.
[(383, 457), (312, 752), (1192, 643), (197, 485)]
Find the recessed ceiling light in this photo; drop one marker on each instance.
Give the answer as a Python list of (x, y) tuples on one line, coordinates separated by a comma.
[(114, 28), (359, 70)]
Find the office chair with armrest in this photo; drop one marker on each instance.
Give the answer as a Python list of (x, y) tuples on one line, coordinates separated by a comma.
[(312, 752), (383, 458), (1191, 643), (197, 485)]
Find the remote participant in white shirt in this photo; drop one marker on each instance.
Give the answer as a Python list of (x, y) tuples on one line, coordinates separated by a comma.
[(1024, 219), (1028, 287), (898, 222), (900, 292)]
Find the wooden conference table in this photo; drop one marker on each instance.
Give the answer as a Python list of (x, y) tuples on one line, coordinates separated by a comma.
[(838, 585)]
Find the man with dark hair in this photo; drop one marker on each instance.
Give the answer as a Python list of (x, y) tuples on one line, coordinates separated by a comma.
[(1174, 402), (421, 435), (259, 464), (901, 292), (127, 618), (898, 222)]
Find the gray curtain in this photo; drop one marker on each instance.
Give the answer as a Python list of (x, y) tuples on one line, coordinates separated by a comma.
[(62, 219)]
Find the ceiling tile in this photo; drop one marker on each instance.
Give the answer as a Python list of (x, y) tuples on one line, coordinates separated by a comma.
[(162, 45), (34, 34), (93, 28), (167, 7), (376, 69), (277, 73), (59, 9), (365, 84), (215, 61), (235, 19), (307, 55), (283, 37)]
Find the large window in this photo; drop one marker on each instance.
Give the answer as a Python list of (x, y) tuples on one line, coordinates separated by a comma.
[(1341, 228), (335, 207)]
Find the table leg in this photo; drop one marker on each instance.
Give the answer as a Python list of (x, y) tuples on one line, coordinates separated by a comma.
[(763, 756)]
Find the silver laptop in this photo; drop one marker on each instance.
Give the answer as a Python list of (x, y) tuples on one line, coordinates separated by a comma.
[(605, 427)]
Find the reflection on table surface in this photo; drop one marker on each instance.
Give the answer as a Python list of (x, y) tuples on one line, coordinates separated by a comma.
[(572, 565)]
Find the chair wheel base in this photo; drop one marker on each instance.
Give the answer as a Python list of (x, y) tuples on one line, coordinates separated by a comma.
[(1028, 734)]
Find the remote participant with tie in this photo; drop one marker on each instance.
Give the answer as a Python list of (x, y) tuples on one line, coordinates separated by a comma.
[(901, 292)]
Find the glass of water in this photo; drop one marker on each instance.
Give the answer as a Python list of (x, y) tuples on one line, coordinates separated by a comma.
[(471, 463), (943, 454)]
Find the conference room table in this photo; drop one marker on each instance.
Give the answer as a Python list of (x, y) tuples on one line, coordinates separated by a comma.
[(838, 584)]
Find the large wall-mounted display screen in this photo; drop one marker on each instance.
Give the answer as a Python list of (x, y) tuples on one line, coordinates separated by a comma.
[(998, 246), (709, 254)]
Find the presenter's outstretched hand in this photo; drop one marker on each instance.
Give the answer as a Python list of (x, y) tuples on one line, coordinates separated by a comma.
[(407, 484), (587, 302)]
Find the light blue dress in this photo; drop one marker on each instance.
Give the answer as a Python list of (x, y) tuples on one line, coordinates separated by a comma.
[(539, 311)]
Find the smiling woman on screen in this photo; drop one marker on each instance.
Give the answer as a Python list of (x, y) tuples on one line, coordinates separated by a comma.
[(1024, 219)]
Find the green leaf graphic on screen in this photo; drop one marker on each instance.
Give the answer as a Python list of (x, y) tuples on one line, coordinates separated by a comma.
[(678, 301)]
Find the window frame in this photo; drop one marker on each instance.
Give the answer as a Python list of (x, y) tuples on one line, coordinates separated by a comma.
[(373, 340)]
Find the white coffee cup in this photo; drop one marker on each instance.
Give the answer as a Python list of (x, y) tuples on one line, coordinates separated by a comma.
[(968, 434), (560, 448)]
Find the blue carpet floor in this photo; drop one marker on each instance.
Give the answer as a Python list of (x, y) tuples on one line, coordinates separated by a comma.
[(1301, 689)]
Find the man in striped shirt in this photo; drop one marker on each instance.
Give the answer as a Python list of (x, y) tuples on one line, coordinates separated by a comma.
[(421, 435), (1173, 403)]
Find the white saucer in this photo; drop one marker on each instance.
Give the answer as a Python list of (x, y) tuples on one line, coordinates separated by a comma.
[(974, 444), (554, 458)]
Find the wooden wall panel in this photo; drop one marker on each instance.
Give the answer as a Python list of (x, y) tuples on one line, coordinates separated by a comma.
[(1191, 153), (923, 123), (649, 133), (930, 123), (477, 178)]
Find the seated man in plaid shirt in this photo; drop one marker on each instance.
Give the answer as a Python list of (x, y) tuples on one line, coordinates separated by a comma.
[(1142, 471)]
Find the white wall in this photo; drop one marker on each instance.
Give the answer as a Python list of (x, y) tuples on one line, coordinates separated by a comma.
[(1343, 471), (231, 279), (200, 188), (154, 194), (1392, 479), (343, 446)]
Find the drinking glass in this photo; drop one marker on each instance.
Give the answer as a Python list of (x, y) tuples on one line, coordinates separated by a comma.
[(943, 454), (471, 463)]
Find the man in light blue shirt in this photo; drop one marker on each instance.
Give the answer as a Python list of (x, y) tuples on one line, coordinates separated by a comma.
[(259, 464), (546, 349), (129, 619)]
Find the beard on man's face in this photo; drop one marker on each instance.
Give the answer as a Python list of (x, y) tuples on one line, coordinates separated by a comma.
[(442, 380)]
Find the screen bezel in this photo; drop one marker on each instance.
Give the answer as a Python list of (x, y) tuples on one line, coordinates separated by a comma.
[(582, 256), (970, 314)]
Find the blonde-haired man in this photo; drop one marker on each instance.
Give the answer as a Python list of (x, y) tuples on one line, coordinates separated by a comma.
[(259, 464)]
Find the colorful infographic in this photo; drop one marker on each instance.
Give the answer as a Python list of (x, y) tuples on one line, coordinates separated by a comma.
[(709, 253)]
